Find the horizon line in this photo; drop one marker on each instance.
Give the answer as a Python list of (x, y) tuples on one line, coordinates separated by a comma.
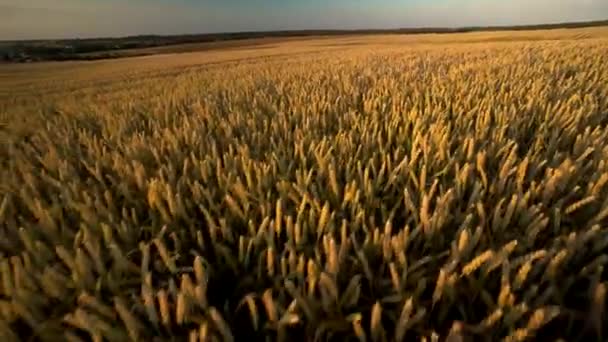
[(412, 29)]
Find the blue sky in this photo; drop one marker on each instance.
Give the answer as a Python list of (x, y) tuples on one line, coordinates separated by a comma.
[(30, 19)]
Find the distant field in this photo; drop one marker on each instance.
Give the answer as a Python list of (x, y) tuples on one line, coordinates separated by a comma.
[(366, 188), (21, 81), (119, 47), (205, 46)]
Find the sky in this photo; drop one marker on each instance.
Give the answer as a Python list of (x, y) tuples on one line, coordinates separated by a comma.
[(52, 19)]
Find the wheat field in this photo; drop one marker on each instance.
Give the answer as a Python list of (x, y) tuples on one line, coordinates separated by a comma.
[(378, 188)]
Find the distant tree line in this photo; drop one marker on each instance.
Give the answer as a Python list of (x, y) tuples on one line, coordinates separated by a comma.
[(102, 48)]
